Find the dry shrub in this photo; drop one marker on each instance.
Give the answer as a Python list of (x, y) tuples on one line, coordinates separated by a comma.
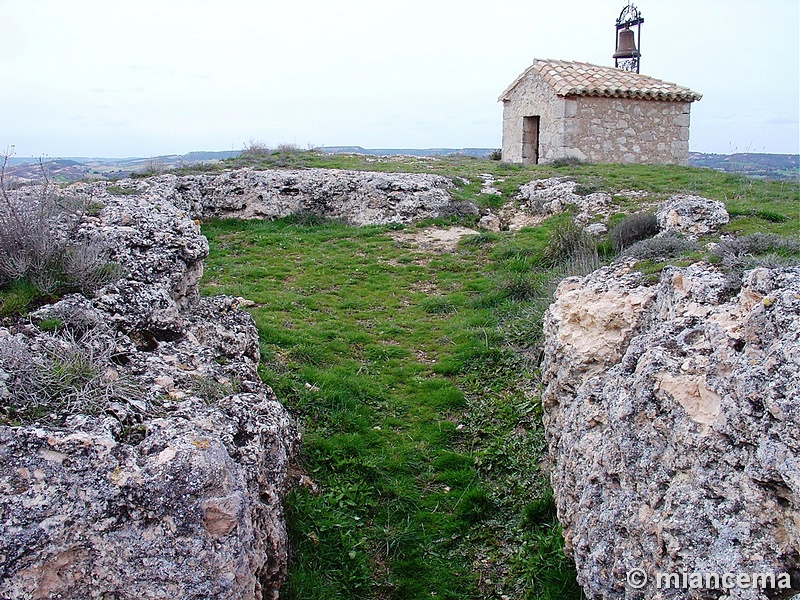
[(632, 229), (667, 246), (38, 240), (72, 374)]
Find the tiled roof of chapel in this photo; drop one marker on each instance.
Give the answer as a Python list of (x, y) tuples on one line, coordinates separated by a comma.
[(584, 79)]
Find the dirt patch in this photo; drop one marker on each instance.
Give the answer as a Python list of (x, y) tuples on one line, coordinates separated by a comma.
[(433, 239)]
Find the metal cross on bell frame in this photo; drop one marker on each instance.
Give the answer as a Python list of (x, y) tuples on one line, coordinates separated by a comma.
[(626, 56)]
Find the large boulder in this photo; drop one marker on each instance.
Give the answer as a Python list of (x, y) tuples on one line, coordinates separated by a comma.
[(671, 412), (691, 215), (192, 510), (147, 460)]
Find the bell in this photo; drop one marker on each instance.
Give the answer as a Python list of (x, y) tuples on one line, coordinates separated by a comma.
[(626, 45)]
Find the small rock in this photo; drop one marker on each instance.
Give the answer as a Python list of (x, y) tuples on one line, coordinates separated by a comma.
[(489, 222)]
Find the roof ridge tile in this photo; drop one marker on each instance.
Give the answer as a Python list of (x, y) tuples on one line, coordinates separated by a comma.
[(585, 79)]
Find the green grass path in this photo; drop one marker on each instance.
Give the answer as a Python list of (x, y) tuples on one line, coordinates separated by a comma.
[(420, 430), (412, 375)]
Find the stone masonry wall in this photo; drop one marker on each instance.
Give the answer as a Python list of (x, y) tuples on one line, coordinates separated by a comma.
[(625, 130), (530, 98)]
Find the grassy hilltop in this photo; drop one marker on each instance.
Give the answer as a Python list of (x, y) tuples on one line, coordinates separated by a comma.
[(414, 373)]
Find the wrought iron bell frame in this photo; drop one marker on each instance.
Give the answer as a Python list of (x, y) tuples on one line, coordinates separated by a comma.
[(628, 18)]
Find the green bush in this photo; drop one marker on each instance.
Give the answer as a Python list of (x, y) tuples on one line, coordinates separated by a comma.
[(632, 229)]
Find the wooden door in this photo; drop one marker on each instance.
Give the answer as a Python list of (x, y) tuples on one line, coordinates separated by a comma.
[(530, 140)]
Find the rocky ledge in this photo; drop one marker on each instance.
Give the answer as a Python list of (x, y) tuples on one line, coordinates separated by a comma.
[(671, 411), (356, 197), (149, 461)]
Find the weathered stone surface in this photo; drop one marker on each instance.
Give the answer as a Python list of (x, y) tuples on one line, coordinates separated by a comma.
[(172, 487), (691, 215), (672, 413), (553, 195), (596, 229), (357, 197), (156, 243), (192, 510)]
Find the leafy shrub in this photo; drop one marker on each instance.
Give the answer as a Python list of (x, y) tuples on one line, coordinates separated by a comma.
[(632, 229), (37, 241), (496, 154), (670, 245)]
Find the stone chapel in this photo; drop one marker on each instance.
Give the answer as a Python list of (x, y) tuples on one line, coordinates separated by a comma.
[(558, 109)]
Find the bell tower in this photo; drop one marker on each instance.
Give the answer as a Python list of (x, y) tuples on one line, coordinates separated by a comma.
[(626, 56)]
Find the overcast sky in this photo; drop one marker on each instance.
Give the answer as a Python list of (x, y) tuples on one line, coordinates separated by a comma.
[(152, 77)]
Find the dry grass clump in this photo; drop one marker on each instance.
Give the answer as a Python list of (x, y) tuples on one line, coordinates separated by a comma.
[(38, 241)]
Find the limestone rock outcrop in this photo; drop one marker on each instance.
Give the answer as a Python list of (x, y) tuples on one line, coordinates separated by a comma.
[(672, 411), (163, 475), (553, 195), (356, 197), (691, 215)]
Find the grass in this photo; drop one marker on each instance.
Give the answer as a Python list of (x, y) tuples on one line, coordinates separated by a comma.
[(18, 296), (420, 427), (412, 375)]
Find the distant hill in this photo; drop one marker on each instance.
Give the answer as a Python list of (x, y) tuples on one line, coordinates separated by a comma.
[(476, 152), (762, 166), (75, 168)]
